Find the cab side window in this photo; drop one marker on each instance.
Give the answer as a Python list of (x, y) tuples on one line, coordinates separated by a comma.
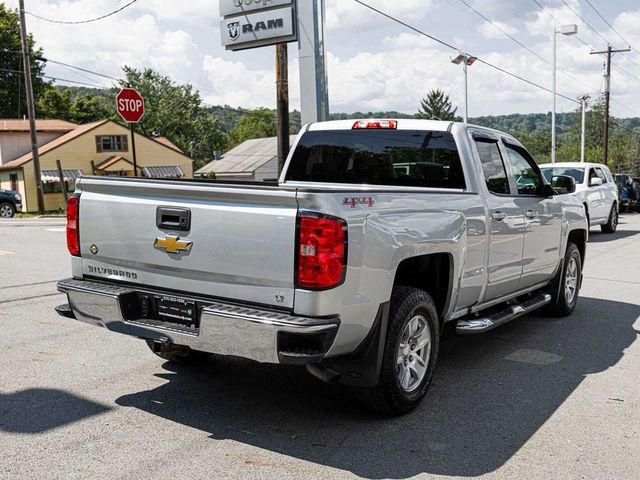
[(601, 174), (526, 176), (493, 168)]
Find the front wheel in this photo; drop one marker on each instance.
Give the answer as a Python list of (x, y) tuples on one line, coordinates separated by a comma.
[(410, 353), (7, 210), (566, 287), (612, 224)]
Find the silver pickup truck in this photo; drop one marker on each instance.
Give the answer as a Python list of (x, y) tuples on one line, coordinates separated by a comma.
[(377, 233)]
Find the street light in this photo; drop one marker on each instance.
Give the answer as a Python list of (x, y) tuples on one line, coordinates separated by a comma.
[(583, 101), (466, 60), (564, 30)]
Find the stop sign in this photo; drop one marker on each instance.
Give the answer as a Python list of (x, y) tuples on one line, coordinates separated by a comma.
[(130, 105)]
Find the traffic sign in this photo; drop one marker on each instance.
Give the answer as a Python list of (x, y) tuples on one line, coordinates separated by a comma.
[(130, 105)]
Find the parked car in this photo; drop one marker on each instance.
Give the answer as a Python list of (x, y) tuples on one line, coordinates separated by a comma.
[(10, 203), (346, 265), (629, 191), (595, 188)]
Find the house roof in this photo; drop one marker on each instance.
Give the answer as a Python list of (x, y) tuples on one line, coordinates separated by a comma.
[(167, 143), (245, 158), (20, 125), (112, 160), (82, 129), (76, 132)]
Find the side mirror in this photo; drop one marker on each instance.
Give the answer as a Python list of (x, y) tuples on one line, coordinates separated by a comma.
[(563, 184), (595, 182)]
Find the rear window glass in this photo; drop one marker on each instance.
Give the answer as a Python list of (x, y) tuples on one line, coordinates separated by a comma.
[(413, 158), (576, 173)]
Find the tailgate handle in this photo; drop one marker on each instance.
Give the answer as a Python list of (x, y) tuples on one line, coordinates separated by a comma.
[(171, 218)]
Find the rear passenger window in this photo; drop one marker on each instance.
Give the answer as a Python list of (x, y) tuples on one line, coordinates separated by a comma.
[(492, 165), (411, 158)]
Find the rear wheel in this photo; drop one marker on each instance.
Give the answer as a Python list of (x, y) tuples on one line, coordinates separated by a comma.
[(410, 353), (177, 353), (7, 210), (612, 224), (566, 287)]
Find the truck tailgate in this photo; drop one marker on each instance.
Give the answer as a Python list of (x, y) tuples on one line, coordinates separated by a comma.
[(240, 243)]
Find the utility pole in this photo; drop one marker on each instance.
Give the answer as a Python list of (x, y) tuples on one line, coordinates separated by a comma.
[(583, 101), (607, 95), (26, 64), (282, 110)]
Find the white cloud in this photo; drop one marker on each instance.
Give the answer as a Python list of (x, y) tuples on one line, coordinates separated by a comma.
[(490, 31), (350, 15)]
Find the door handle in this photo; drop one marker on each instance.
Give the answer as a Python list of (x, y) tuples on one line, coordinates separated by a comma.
[(498, 216), (530, 214)]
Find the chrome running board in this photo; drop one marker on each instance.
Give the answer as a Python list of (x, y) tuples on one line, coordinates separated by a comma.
[(467, 326)]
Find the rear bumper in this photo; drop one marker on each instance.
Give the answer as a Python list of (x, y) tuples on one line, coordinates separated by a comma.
[(226, 329)]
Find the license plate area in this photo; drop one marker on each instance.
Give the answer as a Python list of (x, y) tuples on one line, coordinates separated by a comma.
[(166, 311)]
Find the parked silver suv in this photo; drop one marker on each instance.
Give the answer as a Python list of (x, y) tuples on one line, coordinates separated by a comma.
[(595, 188)]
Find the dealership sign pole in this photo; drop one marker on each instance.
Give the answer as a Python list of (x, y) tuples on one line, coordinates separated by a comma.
[(258, 23), (130, 106)]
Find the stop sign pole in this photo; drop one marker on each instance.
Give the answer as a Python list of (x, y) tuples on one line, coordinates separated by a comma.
[(130, 106)]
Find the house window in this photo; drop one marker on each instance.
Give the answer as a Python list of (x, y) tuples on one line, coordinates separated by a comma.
[(111, 143), (13, 178), (56, 187)]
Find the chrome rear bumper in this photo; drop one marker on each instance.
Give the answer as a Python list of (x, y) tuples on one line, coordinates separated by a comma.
[(225, 329)]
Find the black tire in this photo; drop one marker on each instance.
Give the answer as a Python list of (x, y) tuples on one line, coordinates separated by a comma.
[(612, 224), (7, 210), (389, 397), (561, 305), (177, 353)]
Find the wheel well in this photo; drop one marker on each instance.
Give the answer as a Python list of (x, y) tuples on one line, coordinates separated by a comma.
[(431, 273), (579, 237)]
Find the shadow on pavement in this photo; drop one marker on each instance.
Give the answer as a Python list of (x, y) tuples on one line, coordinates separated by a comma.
[(599, 237), (490, 394), (40, 409)]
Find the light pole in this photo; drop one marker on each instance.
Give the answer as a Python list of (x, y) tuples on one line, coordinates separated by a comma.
[(466, 60), (583, 101), (571, 29)]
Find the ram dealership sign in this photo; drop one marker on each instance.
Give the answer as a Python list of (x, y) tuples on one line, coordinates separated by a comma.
[(257, 23)]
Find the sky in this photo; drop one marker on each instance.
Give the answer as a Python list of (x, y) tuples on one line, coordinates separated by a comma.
[(373, 63)]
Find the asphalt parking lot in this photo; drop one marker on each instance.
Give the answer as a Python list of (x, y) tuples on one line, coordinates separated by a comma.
[(539, 398)]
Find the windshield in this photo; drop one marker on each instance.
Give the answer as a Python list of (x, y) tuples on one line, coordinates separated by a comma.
[(414, 158), (576, 173)]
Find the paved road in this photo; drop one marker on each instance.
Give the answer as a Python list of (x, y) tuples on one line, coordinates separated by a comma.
[(538, 399)]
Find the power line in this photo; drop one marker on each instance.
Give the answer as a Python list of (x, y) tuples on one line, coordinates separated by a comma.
[(605, 21), (81, 69), (452, 47), (586, 44), (44, 59), (65, 22), (526, 47), (56, 78), (585, 22)]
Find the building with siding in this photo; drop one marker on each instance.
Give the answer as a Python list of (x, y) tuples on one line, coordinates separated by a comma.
[(98, 148), (253, 160)]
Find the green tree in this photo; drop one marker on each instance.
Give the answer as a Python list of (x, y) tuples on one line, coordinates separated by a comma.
[(176, 112), (55, 103), (90, 108), (14, 103), (437, 106), (258, 123)]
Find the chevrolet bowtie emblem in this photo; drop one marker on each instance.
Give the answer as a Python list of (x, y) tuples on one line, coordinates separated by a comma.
[(171, 244)]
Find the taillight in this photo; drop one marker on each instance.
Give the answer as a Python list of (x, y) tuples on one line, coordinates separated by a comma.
[(73, 225), (375, 125), (322, 251)]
